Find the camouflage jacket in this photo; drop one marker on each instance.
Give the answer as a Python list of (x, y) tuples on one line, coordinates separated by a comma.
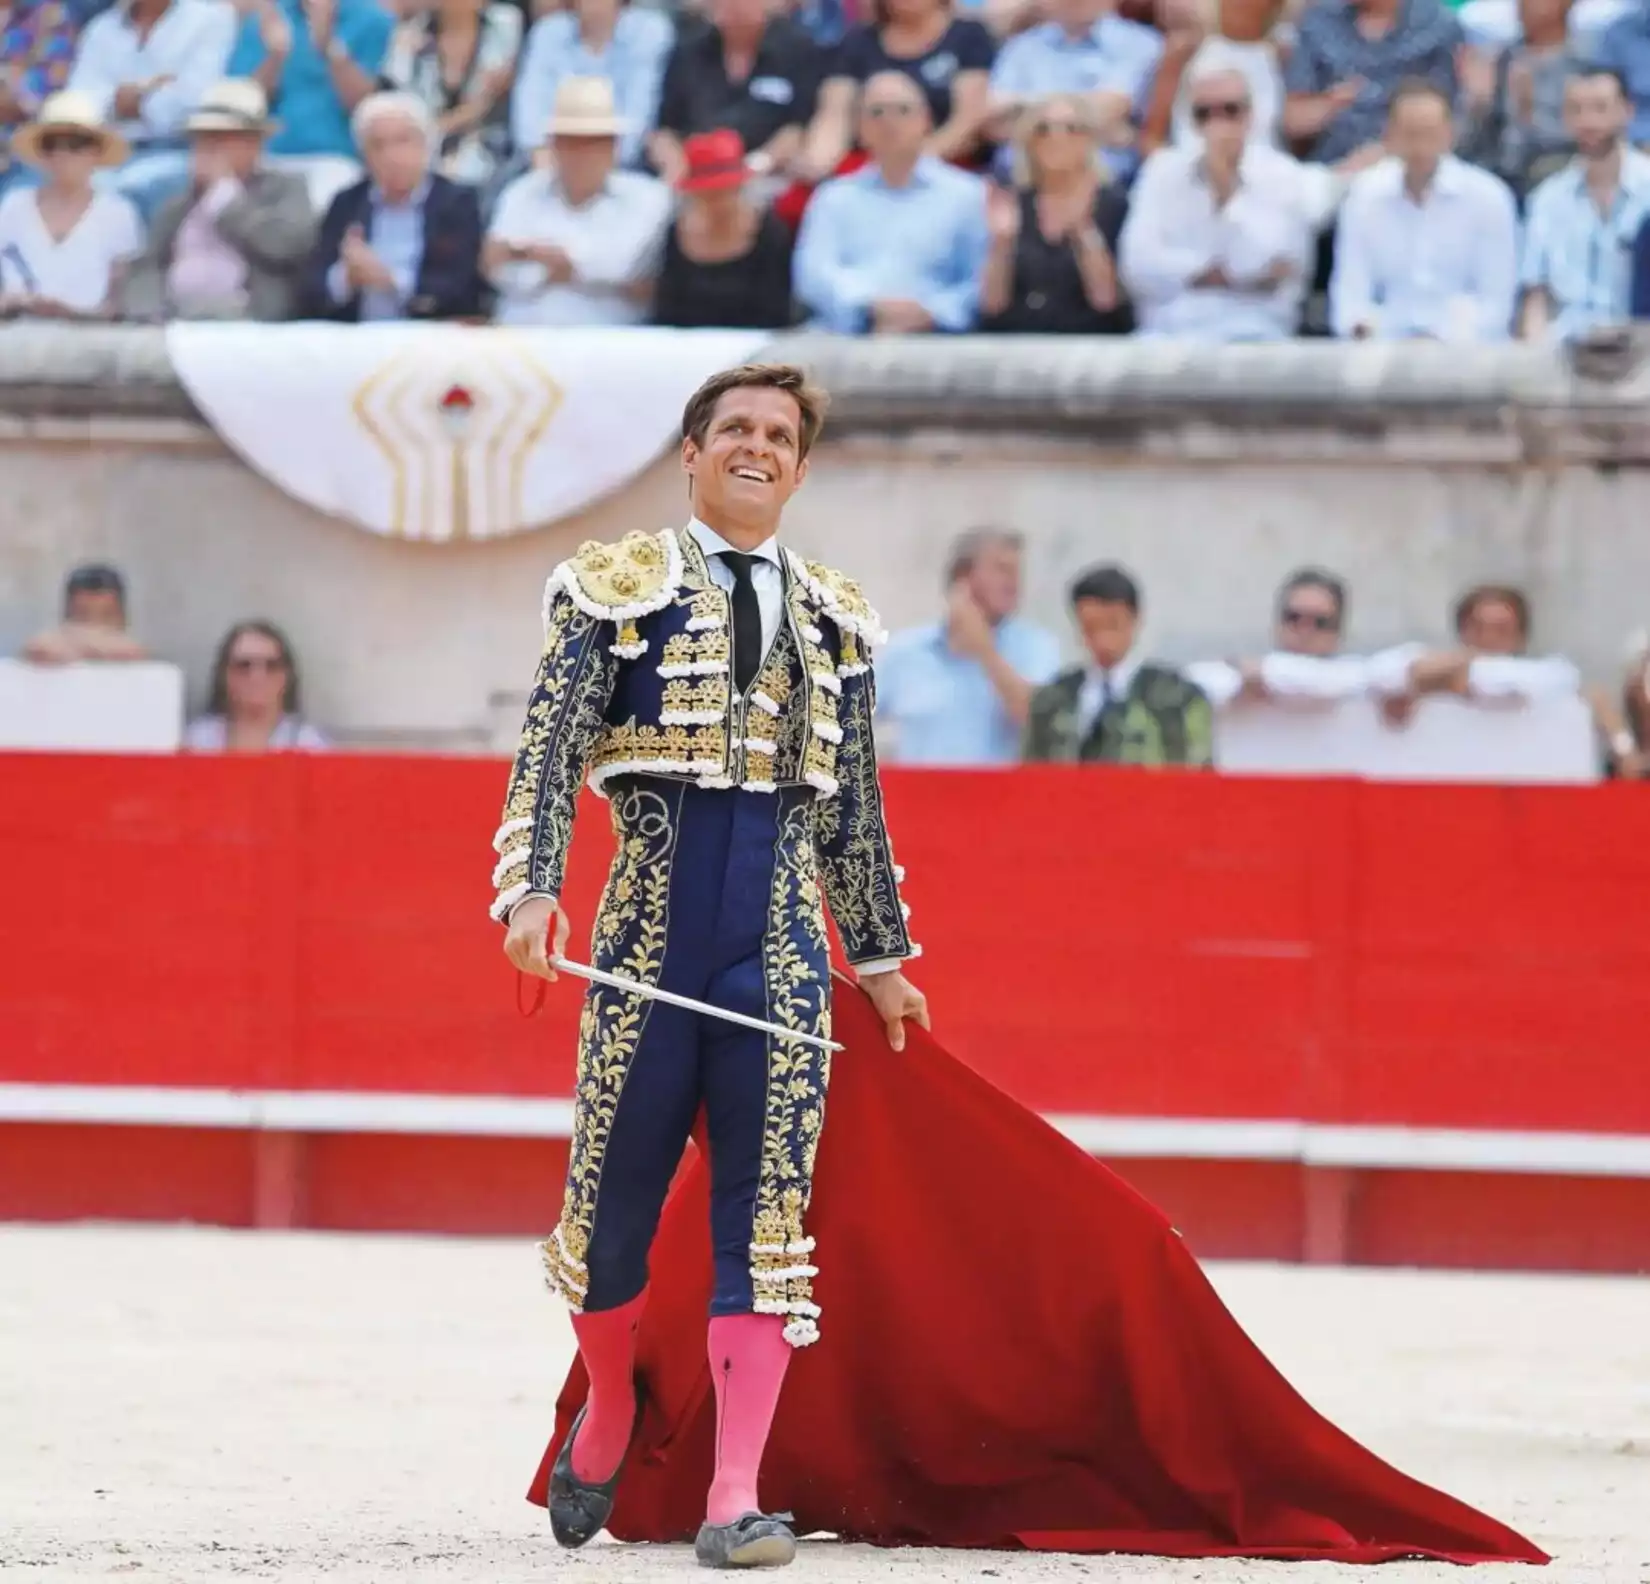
[(1165, 720)]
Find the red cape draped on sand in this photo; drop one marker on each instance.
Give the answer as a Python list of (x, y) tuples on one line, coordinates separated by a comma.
[(1016, 1350)]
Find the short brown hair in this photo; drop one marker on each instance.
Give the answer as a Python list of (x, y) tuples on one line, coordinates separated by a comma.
[(787, 377), (1493, 594)]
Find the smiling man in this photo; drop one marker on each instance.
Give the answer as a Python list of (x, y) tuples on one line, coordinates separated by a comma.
[(717, 690)]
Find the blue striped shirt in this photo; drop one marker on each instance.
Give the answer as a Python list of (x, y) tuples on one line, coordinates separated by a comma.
[(1581, 258)]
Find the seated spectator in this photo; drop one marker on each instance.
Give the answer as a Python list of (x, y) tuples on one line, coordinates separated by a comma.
[(900, 245), (1582, 221), (1245, 43), (1217, 244), (1117, 708), (1625, 50), (63, 245), (946, 55), (145, 64), (727, 263), (315, 60), (1495, 25), (958, 691), (234, 246), (94, 625), (1085, 48), (1348, 59), (254, 704), (1514, 100), (627, 44), (1426, 246), (1052, 268), (578, 242), (460, 58), (403, 244), (1305, 664), (38, 39), (751, 69), (824, 21)]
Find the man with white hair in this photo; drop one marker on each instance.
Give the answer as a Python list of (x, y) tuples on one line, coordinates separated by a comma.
[(405, 243)]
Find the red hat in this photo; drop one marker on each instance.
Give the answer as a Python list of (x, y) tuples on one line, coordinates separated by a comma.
[(714, 160)]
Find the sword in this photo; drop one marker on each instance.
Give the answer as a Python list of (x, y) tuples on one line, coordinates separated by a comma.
[(615, 981)]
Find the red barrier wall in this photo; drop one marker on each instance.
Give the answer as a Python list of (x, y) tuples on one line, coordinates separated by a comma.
[(1098, 943)]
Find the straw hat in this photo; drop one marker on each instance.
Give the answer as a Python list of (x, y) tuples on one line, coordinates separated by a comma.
[(237, 104), (585, 108), (74, 112)]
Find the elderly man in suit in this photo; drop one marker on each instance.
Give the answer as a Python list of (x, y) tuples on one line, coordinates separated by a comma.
[(234, 245), (405, 243)]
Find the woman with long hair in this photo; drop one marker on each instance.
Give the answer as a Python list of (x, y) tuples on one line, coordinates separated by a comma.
[(255, 702)]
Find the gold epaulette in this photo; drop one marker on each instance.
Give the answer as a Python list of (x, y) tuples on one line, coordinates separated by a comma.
[(621, 582), (842, 600)]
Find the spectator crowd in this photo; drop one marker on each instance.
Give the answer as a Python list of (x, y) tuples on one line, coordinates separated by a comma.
[(1223, 170)]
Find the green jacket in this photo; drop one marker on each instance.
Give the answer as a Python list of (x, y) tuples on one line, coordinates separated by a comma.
[(1165, 720)]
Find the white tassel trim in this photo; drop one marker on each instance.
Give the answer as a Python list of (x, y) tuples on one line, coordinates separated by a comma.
[(716, 783), (565, 577), (825, 680), (763, 702), (600, 775), (825, 785), (506, 900), (694, 668), (704, 623), (899, 874), (852, 670), (905, 911), (761, 745), (629, 651), (759, 786), (789, 1273), (508, 862), (829, 731), (868, 628), (507, 830), (800, 1246), (813, 634), (691, 717), (801, 1333)]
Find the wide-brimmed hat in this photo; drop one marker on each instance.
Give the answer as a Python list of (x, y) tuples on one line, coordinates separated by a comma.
[(714, 160), (74, 112), (585, 108), (237, 104)]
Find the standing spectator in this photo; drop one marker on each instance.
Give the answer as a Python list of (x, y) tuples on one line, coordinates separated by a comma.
[(315, 60), (145, 64), (1427, 245), (403, 244), (1217, 244), (460, 59), (752, 69), (1305, 664), (94, 625), (1245, 43), (1117, 708), (947, 56), (1052, 268), (958, 691), (1625, 50), (233, 246), (63, 244), (254, 705), (1514, 99), (1084, 48), (578, 242), (1583, 220), (727, 264), (625, 43), (1349, 58), (900, 245), (37, 49)]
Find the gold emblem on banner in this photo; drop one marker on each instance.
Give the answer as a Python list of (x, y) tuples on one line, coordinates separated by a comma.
[(456, 419)]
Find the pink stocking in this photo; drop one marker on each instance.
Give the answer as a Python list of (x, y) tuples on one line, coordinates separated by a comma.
[(748, 1358), (607, 1344)]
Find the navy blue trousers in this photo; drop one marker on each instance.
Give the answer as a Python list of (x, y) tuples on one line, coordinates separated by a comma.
[(713, 894)]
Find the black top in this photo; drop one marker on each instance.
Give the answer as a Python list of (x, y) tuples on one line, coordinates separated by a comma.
[(780, 91), (1048, 288), (749, 293), (964, 46)]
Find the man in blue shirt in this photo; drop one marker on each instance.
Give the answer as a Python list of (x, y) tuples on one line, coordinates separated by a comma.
[(1625, 50), (900, 245), (957, 692)]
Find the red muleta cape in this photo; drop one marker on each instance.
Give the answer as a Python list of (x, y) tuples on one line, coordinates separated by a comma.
[(1017, 1351)]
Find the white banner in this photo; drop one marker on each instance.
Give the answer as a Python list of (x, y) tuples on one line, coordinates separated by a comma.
[(124, 706), (446, 432), (1447, 739)]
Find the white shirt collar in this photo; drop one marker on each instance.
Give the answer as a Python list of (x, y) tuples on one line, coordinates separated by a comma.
[(712, 543), (1119, 679)]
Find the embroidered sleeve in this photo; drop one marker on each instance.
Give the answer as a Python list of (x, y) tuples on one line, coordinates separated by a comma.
[(856, 858), (564, 719)]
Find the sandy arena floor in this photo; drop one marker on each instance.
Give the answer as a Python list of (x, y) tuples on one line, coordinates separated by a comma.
[(180, 1405)]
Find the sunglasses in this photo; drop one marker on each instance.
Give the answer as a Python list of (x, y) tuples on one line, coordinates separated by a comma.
[(877, 111), (1313, 619), (66, 143), (1219, 110), (268, 664), (1045, 128)]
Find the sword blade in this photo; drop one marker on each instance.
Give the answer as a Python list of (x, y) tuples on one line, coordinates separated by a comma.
[(615, 981)]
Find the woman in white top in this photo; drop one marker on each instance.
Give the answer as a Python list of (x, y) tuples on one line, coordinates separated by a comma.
[(254, 706), (64, 243)]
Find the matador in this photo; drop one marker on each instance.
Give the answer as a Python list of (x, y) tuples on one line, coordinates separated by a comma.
[(716, 688)]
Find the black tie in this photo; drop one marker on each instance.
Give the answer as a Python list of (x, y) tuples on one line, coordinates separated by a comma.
[(747, 620)]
